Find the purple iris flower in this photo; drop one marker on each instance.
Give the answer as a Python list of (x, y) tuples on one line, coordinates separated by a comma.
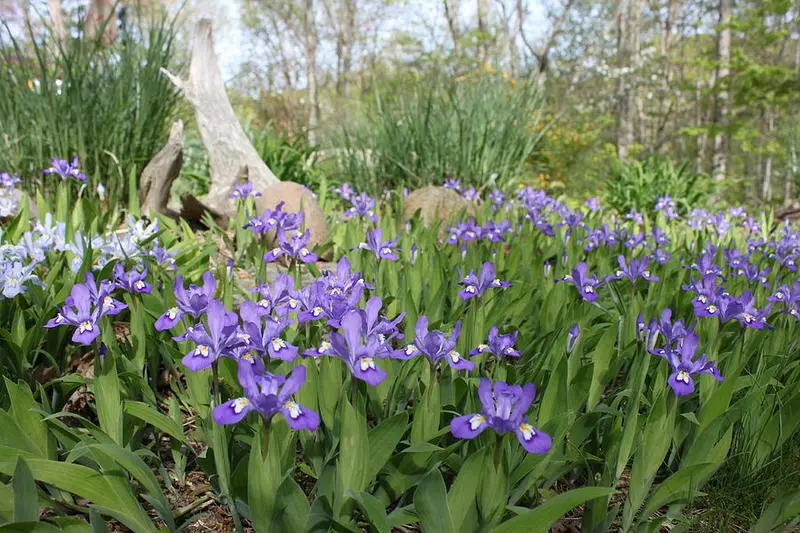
[(635, 269), (706, 266), (790, 261), (785, 294), (586, 285), (345, 190), (684, 366), (498, 198), (262, 332), (531, 198), (593, 204), (721, 224), (279, 295), (162, 255), (475, 286), (593, 240), (9, 181), (374, 324), (14, 276), (412, 256), (132, 281), (573, 219), (495, 232), (700, 218), (498, 345), (751, 225), (503, 410), (192, 301), (724, 306), (437, 346), (707, 294), (753, 274), (673, 333), (219, 339), (540, 222), (452, 183), (471, 194), (268, 394), (636, 239), (635, 216), (573, 335), (276, 219), (736, 259), (382, 249), (65, 169), (613, 236), (244, 190), (84, 308), (659, 237), (464, 231), (661, 256), (667, 205), (344, 281), (363, 206), (737, 212), (357, 352), (295, 246), (750, 316), (789, 297), (318, 303)]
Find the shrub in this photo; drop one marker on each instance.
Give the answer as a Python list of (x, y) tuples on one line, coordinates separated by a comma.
[(110, 106), (290, 158), (481, 130), (638, 185)]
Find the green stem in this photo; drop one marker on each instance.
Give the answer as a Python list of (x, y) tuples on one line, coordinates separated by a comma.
[(215, 383), (498, 451), (265, 431)]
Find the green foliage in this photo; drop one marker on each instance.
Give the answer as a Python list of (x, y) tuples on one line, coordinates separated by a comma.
[(479, 129), (109, 106), (638, 184), (384, 456), (289, 158)]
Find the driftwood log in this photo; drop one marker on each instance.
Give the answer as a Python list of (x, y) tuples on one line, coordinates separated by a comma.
[(157, 177), (789, 212), (230, 152)]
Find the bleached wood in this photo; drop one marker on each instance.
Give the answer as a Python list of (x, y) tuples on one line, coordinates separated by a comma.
[(229, 149), (158, 176)]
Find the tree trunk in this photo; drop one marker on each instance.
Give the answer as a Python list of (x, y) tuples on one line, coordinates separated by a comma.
[(160, 173), (794, 164), (483, 29), (627, 52), (310, 44), (664, 104), (230, 152), (511, 44), (57, 20), (348, 41), (542, 55), (766, 184), (451, 10), (101, 17), (719, 161), (791, 175)]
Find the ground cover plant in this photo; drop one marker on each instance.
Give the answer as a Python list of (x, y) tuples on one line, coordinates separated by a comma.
[(535, 364)]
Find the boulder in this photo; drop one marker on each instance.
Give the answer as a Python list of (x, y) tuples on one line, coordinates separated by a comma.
[(436, 203), (296, 198)]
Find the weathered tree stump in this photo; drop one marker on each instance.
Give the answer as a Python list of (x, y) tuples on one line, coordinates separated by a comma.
[(229, 149), (158, 176)]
